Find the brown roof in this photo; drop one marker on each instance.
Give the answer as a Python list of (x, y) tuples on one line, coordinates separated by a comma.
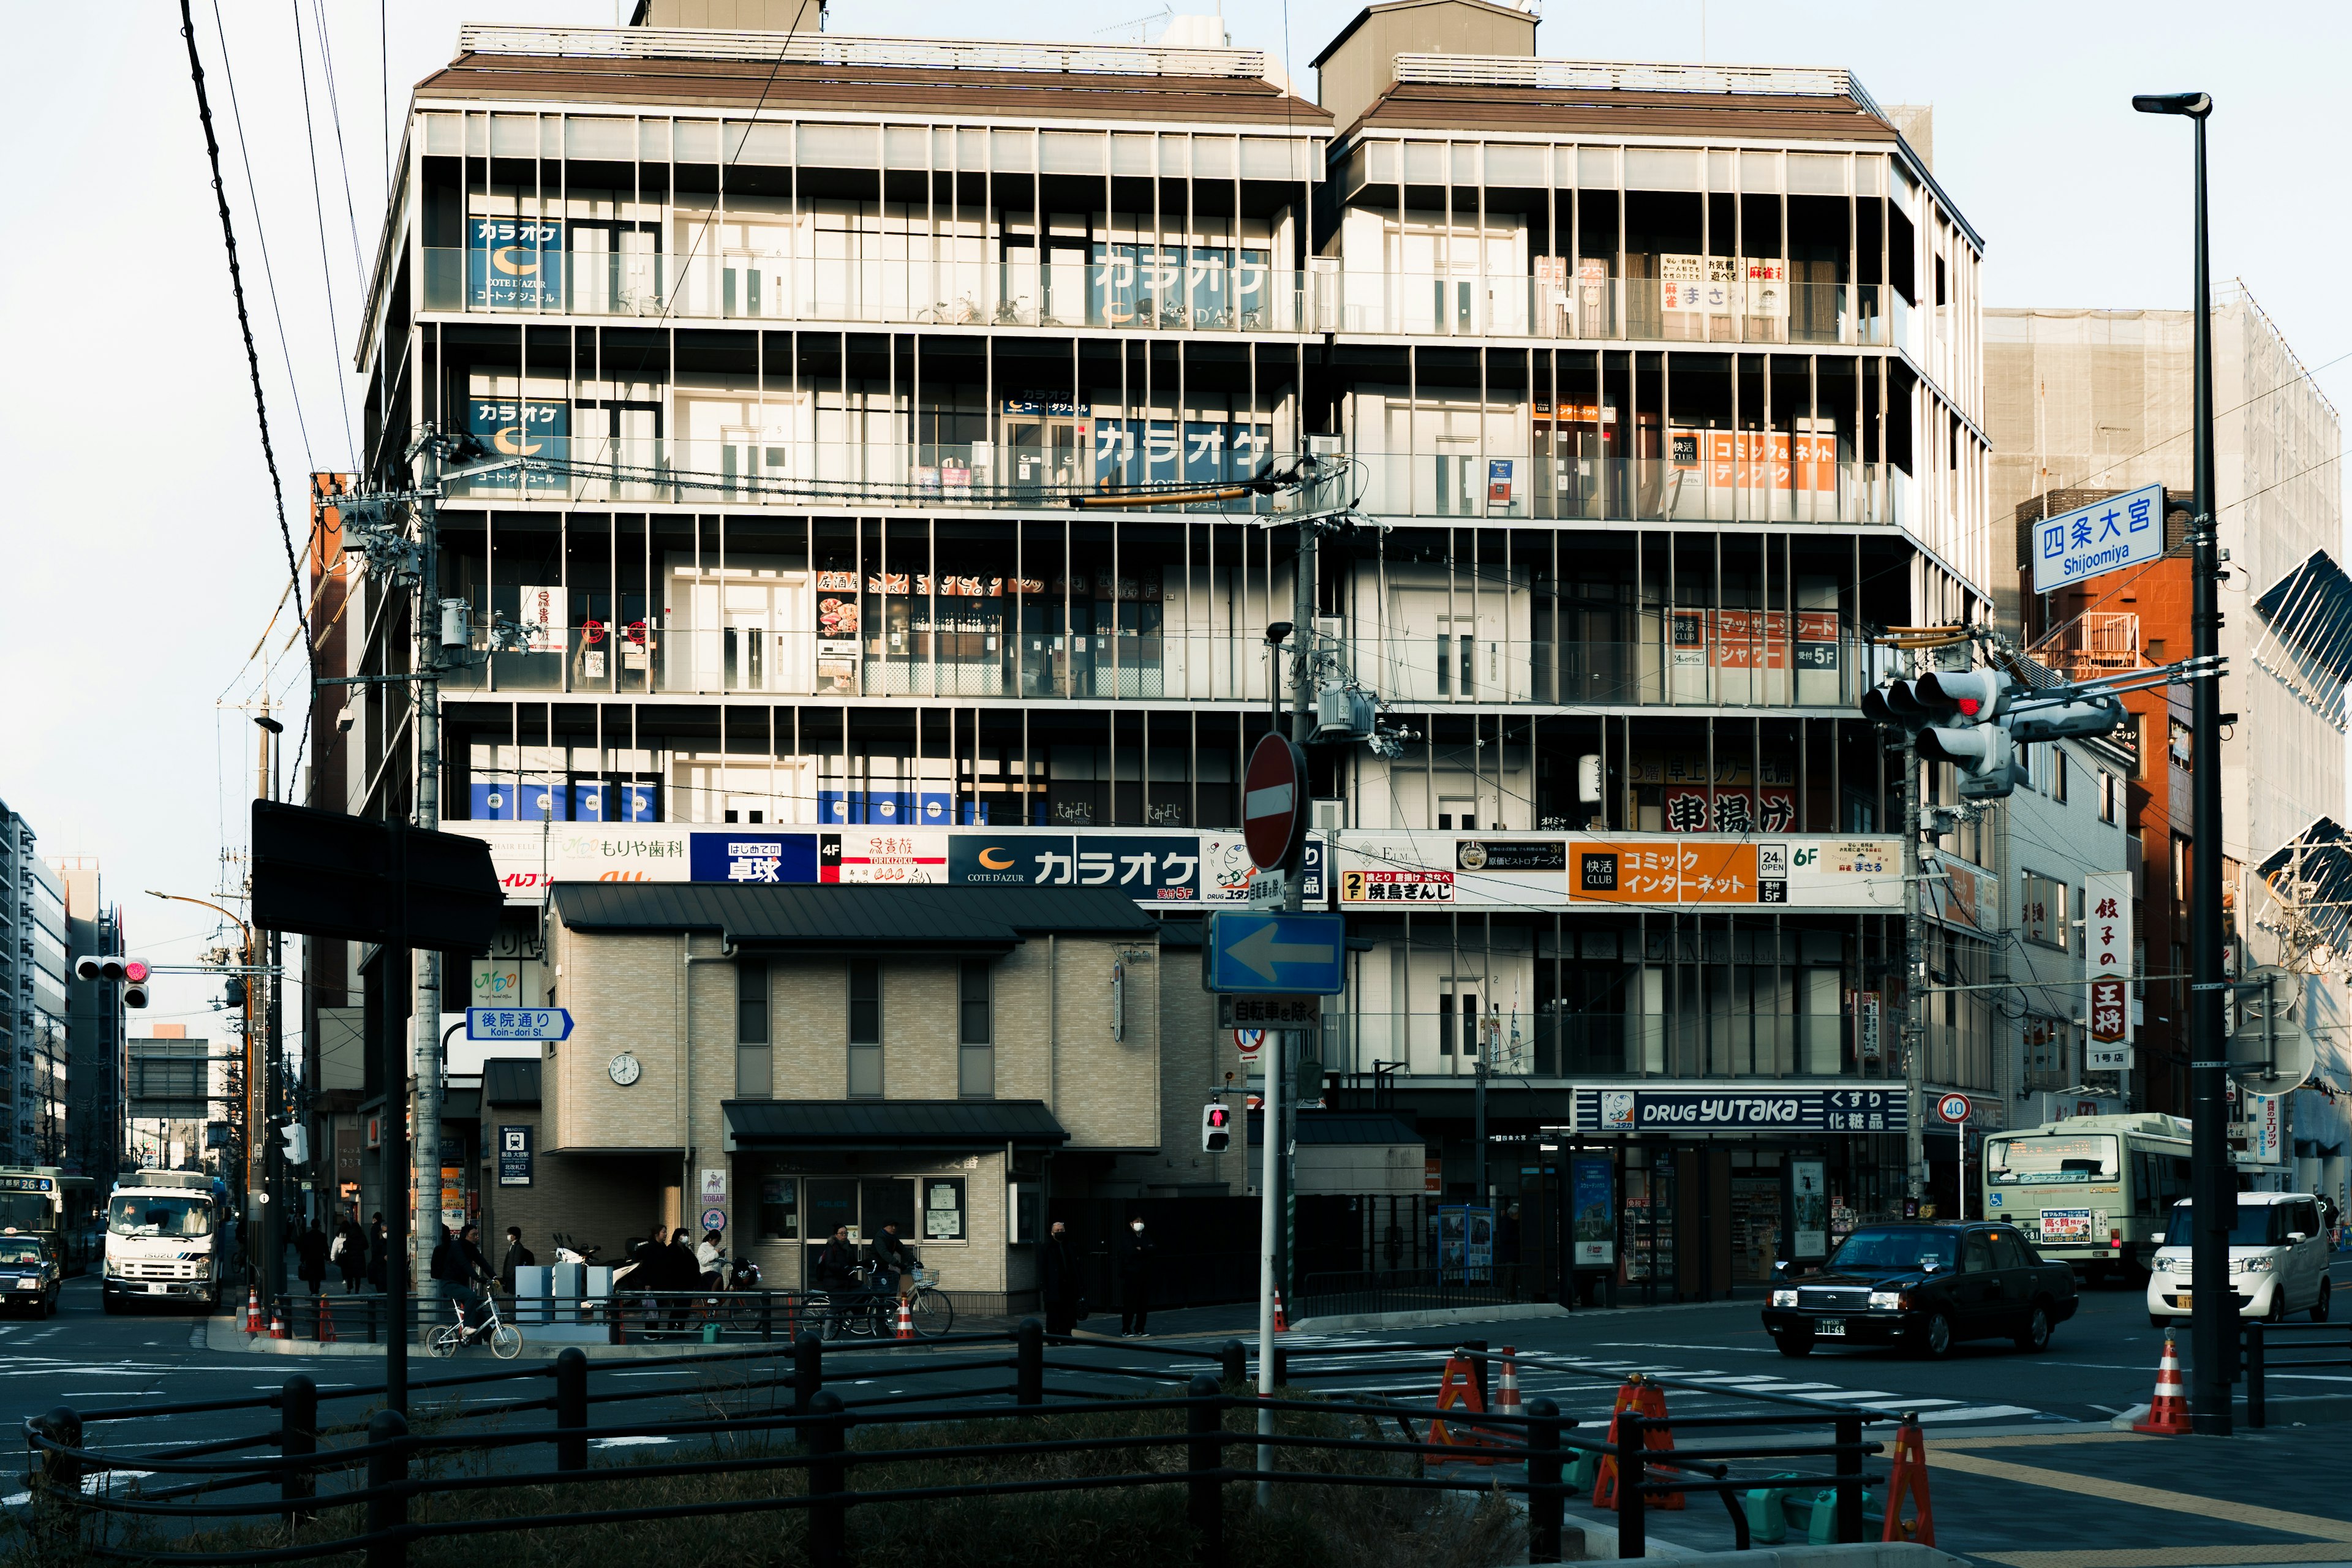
[(1615, 111), (742, 85)]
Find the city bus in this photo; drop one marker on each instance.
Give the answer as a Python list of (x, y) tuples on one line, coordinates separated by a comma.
[(2094, 1191), (43, 1200)]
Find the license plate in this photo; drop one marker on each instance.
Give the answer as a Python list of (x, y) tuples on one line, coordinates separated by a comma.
[(2182, 1299), (1829, 1328), (158, 1289)]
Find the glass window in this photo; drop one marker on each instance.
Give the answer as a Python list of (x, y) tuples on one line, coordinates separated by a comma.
[(751, 1002), (864, 1002), (1894, 1248), (973, 1021), (2006, 1251), (943, 1211), (2043, 912), (780, 1211), (2052, 1159), (1976, 1257), (191, 1216)]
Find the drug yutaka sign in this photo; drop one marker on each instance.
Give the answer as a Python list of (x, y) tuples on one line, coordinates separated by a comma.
[(1798, 1109)]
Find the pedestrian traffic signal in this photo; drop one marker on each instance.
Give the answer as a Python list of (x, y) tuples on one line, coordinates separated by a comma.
[(298, 1142), (131, 974), (1216, 1128)]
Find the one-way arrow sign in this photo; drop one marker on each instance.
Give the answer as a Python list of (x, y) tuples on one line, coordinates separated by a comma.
[(1297, 954), (518, 1024)]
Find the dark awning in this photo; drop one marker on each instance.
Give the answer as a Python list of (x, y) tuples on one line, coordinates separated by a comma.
[(849, 917), (510, 1080), (885, 1125)]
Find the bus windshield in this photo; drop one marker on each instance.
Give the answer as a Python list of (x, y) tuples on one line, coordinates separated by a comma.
[(2047, 1159), (191, 1216), (27, 1211)]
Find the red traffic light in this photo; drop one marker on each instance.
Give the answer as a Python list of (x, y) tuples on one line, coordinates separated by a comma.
[(134, 969)]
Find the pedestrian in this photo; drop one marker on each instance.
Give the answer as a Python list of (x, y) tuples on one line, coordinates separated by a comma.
[(705, 1260), (518, 1256), (1134, 1267), (379, 1252), (836, 1275), (892, 1259), (685, 1277), (351, 1253), (1058, 1282), (449, 1272), (312, 1246)]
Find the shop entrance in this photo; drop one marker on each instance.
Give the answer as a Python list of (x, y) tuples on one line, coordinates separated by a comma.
[(1042, 451)]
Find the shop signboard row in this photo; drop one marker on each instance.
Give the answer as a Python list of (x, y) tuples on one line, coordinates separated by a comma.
[(1764, 1108), (1408, 872), (1158, 868)]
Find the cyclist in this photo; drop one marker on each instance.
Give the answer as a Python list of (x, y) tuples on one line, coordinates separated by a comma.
[(454, 1271), (893, 1266), (836, 1275)]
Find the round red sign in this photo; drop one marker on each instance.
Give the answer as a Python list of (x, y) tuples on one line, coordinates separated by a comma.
[(1274, 801), (1953, 1107)]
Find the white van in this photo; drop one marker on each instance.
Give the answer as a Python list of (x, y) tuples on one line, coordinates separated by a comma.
[(2278, 1260)]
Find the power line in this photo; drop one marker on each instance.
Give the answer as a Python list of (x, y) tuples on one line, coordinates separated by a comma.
[(244, 322), (343, 158), (318, 209)]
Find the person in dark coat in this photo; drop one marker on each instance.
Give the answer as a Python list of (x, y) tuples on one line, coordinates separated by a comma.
[(353, 1256), (517, 1257), (1058, 1282), (312, 1246), (1133, 1260), (379, 1251)]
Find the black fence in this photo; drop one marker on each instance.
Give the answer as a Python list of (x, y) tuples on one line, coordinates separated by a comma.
[(1421, 1290), (636, 1317), (2323, 1344), (327, 1486)]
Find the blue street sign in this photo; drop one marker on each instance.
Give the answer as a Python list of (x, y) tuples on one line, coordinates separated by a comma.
[(2106, 536), (1269, 952), (518, 1024)]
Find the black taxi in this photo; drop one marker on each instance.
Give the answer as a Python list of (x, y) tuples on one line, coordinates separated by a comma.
[(30, 1279), (1925, 1286)]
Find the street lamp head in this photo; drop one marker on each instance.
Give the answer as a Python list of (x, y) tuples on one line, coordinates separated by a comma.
[(2196, 105), (1276, 632), (272, 725)]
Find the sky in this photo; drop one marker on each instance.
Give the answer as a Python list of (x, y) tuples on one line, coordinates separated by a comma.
[(143, 559)]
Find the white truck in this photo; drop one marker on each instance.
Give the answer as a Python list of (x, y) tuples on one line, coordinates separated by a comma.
[(163, 1239)]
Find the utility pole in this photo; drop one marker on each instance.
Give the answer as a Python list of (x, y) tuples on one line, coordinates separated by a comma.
[(2212, 1183), (426, 1022), (1294, 886), (273, 1158), (1915, 1142)]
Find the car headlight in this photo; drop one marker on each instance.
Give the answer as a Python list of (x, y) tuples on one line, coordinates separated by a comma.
[(113, 1269), (1784, 1298), (1886, 1300), (2252, 1265), (201, 1271)]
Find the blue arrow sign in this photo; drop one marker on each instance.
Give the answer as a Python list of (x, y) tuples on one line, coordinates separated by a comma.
[(518, 1024), (1267, 953)]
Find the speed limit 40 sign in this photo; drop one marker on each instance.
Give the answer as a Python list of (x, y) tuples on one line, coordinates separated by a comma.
[(1952, 1107)]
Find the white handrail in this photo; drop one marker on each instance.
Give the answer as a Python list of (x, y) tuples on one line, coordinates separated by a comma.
[(1627, 75), (840, 49)]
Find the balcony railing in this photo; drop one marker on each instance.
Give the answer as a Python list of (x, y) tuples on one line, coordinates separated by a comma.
[(1745, 658), (1149, 287), (1697, 489), (1429, 1043)]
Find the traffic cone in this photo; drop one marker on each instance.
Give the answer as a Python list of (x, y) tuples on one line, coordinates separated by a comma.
[(1506, 1397), (1281, 1322), (253, 1309), (906, 1321), (2167, 1412), (277, 1321), (326, 1322), (1908, 1477)]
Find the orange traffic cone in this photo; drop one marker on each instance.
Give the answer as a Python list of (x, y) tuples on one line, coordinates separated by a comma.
[(1646, 1399), (1908, 1477), (1506, 1397), (2167, 1412), (1459, 1387), (278, 1322), (1281, 1322), (326, 1322), (252, 1309), (906, 1321)]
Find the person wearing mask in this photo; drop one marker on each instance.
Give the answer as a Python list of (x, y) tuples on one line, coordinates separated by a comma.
[(351, 1253), (684, 1274), (1058, 1282), (705, 1260), (1133, 1262), (312, 1246), (518, 1256)]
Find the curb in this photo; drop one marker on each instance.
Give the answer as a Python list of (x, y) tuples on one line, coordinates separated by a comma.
[(1438, 1318), (2298, 1410)]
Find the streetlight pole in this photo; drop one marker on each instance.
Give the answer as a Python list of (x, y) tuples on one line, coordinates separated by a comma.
[(2212, 1331)]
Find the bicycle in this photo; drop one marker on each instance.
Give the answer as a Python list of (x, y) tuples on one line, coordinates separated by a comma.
[(505, 1340)]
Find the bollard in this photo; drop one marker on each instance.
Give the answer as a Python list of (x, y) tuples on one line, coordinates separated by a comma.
[(388, 1468), (1849, 1479), (808, 1371), (1029, 1362), (1547, 1503), (1282, 1366), (828, 1477), (1233, 1360), (298, 1441), (2257, 1406), (572, 1407), (1205, 1459), (1633, 1532), (1477, 1352)]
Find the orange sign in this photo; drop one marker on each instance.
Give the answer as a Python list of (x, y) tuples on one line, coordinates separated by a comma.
[(1653, 873)]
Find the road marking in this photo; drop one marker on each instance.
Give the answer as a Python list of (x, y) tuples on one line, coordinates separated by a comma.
[(1979, 1412), (2171, 1556), (2278, 1519)]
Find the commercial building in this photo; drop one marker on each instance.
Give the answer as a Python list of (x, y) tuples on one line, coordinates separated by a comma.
[(35, 1015), (174, 1105), (97, 1060), (2086, 404), (1652, 392)]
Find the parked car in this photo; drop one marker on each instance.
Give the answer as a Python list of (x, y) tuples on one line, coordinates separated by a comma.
[(30, 1276), (1927, 1286), (2278, 1260)]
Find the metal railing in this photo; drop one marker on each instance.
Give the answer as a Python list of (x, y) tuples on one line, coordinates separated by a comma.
[(307, 1465), (625, 1317), (2333, 1348)]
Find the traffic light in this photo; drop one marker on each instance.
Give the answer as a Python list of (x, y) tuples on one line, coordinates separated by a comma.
[(234, 992), (131, 974), (1957, 716), (2094, 715), (1216, 1128), (298, 1142)]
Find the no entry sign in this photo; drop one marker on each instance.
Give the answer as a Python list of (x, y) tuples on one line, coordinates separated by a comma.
[(1274, 801)]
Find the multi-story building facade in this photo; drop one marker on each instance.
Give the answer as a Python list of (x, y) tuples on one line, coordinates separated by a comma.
[(2083, 404), (98, 1061), (34, 1015), (852, 364)]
